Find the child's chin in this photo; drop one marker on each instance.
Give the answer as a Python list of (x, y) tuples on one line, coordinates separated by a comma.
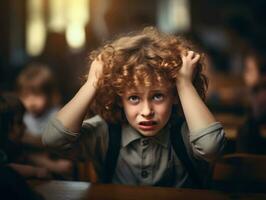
[(148, 133)]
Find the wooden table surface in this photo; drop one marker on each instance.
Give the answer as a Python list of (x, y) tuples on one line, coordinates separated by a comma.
[(70, 190)]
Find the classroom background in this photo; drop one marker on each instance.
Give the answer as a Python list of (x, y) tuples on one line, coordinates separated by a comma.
[(61, 33)]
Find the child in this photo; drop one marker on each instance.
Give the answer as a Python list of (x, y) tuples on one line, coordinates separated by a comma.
[(251, 137), (37, 90), (139, 85), (254, 68)]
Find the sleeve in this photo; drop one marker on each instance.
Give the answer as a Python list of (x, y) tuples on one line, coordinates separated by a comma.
[(208, 143), (92, 138)]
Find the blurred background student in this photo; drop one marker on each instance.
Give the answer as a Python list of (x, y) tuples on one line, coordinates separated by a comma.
[(37, 90), (251, 137), (254, 70)]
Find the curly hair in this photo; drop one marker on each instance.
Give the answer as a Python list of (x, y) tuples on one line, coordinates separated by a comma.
[(143, 58)]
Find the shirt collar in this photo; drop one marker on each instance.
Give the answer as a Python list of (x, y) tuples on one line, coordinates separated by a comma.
[(129, 134), (162, 137)]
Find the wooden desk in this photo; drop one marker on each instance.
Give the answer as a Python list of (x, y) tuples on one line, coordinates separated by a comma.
[(68, 190)]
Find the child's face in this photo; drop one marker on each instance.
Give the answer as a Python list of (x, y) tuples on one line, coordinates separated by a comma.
[(35, 104), (251, 72), (148, 109)]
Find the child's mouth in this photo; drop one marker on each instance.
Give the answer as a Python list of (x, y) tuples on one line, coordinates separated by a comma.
[(147, 125)]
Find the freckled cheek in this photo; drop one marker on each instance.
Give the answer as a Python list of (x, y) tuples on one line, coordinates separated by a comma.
[(164, 111), (131, 111)]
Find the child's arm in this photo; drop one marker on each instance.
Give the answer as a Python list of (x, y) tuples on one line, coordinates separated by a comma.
[(196, 112), (73, 113)]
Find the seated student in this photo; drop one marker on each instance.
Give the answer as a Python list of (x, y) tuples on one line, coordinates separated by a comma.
[(11, 130), (37, 90), (254, 71), (251, 137), (140, 85), (254, 68)]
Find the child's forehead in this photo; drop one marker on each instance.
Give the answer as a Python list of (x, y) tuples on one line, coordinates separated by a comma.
[(150, 89)]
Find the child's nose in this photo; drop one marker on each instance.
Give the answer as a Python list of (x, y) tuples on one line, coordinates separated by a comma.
[(147, 110)]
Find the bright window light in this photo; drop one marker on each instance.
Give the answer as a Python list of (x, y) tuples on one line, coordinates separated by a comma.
[(173, 15), (77, 14), (57, 15), (75, 35), (35, 28)]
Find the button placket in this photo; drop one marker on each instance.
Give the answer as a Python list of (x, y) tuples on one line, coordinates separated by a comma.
[(144, 174), (144, 142)]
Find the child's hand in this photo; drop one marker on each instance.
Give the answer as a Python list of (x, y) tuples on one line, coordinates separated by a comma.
[(189, 60), (96, 70)]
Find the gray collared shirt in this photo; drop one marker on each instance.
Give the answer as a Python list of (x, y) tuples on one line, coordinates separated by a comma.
[(142, 160)]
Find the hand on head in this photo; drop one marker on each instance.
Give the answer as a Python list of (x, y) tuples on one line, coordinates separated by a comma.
[(189, 63), (96, 70)]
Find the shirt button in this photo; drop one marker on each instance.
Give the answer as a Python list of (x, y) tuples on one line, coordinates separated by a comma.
[(145, 142), (144, 174)]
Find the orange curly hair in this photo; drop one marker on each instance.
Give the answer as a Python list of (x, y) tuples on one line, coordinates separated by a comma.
[(143, 58)]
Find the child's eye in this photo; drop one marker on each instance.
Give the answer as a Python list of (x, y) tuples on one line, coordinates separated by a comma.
[(134, 99), (158, 97)]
